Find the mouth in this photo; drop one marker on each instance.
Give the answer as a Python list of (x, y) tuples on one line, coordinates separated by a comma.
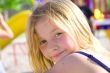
[(57, 55)]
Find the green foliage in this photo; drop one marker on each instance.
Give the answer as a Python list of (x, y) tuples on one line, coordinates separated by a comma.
[(13, 4)]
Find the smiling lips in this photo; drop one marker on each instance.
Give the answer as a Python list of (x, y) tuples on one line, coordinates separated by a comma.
[(58, 54)]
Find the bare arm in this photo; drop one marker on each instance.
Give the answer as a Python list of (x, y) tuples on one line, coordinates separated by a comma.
[(76, 63), (5, 31)]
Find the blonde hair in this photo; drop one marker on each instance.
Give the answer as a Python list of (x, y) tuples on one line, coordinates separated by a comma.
[(68, 17)]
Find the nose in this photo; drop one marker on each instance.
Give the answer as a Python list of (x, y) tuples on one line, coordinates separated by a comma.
[(52, 46)]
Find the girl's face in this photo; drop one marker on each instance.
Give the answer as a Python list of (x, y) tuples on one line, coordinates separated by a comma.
[(55, 43)]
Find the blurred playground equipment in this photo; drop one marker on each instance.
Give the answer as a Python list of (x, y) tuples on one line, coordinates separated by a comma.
[(101, 9), (17, 23), (99, 5), (108, 33)]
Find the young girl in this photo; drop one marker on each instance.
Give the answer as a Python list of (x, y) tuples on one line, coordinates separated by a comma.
[(5, 32), (60, 41)]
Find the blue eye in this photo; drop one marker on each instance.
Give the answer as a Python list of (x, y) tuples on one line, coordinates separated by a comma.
[(43, 42)]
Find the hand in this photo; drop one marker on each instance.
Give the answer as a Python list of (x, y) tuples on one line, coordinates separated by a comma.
[(1, 19)]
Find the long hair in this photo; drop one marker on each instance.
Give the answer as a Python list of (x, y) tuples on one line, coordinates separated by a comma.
[(68, 17)]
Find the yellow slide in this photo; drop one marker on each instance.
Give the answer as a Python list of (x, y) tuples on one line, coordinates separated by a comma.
[(17, 23)]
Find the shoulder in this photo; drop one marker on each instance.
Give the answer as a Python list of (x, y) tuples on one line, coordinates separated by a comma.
[(76, 63)]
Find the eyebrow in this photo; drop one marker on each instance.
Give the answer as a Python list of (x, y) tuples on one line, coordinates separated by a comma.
[(54, 30)]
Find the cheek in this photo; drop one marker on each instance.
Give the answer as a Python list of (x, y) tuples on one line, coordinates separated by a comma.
[(67, 43)]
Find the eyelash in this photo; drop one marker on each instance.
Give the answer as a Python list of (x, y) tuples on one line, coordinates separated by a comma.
[(58, 35), (43, 42)]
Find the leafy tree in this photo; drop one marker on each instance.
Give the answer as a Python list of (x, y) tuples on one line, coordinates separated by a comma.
[(6, 5), (13, 4)]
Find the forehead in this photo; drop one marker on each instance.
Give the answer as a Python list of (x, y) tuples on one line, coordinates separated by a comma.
[(45, 26)]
